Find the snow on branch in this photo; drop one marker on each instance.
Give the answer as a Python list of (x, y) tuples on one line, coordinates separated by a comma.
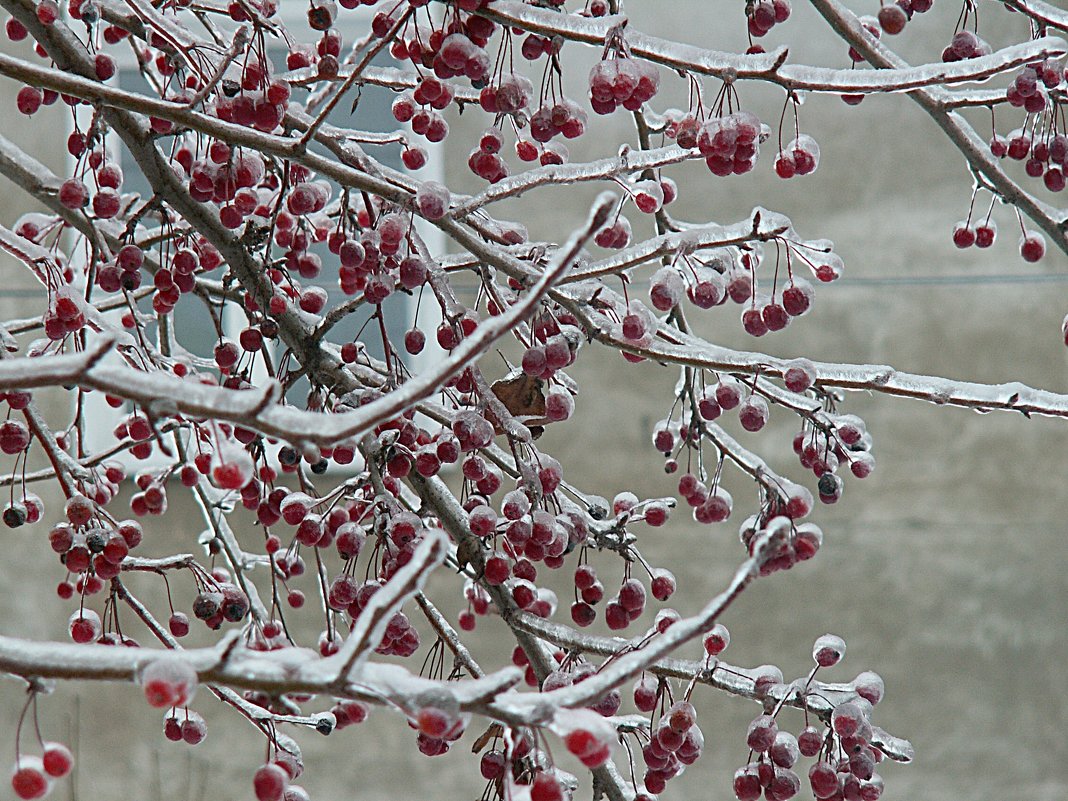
[(231, 665), (771, 67)]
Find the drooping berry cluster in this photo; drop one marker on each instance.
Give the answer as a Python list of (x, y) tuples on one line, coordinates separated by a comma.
[(731, 144), (846, 758), (763, 15), (622, 81)]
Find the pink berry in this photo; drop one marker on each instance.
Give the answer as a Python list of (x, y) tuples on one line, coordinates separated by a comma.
[(892, 19), (14, 437), (761, 734), (73, 194), (432, 200), (753, 413)]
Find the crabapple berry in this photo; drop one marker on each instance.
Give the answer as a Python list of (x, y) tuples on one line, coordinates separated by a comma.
[(1032, 246), (828, 650), (716, 640), (29, 779), (269, 782), (168, 682), (57, 760)]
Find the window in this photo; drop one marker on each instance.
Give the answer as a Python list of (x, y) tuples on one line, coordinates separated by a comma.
[(193, 328)]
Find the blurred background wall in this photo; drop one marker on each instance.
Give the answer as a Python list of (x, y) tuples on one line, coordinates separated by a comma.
[(944, 571)]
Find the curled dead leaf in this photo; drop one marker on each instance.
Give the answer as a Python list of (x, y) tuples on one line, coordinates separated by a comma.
[(524, 397)]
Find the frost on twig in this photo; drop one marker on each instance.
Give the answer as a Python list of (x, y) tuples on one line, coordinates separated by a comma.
[(257, 205)]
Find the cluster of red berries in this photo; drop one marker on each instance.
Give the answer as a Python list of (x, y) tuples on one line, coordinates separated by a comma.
[(452, 51), (526, 766), (185, 725), (19, 511), (65, 315), (621, 81), (272, 781), (73, 194), (438, 722), (1029, 88), (846, 760), (485, 160), (824, 453), (768, 314), (1044, 157), (565, 118), (554, 346), (375, 263), (730, 144), (510, 95), (763, 15), (676, 740), (220, 601), (796, 542), (712, 282), (421, 108), (982, 235), (893, 17), (90, 549), (1041, 147)]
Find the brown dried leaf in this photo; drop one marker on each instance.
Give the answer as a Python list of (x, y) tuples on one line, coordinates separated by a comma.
[(521, 394)]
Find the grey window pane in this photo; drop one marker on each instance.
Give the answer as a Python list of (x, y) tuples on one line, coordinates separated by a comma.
[(193, 328)]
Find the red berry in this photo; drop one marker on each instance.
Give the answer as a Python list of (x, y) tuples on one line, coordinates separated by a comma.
[(892, 19), (1032, 246), (544, 788), (717, 640), (270, 782), (57, 760), (29, 99), (168, 682), (828, 650), (963, 235), (29, 779), (14, 437), (73, 194), (985, 234)]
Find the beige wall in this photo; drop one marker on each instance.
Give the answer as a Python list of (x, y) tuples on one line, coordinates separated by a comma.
[(944, 571)]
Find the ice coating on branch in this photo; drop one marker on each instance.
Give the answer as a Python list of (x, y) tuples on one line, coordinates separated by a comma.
[(512, 265)]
